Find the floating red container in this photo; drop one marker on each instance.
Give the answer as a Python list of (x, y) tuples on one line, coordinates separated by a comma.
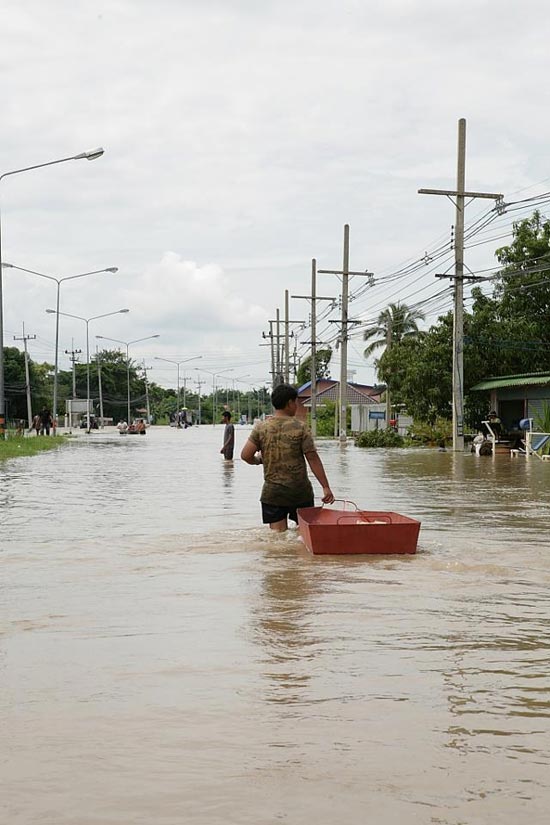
[(343, 532)]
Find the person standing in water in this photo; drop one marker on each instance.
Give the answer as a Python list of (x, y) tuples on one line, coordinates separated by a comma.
[(285, 445), (228, 437)]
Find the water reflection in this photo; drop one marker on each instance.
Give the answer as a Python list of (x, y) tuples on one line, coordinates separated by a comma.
[(228, 472), (282, 621)]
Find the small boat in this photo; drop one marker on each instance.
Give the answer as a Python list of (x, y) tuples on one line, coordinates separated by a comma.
[(344, 532)]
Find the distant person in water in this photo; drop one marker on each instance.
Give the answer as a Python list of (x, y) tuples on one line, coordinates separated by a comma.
[(228, 437), (36, 424), (45, 421), (284, 444)]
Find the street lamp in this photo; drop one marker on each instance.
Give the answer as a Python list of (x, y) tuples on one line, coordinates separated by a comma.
[(214, 393), (59, 281), (239, 381), (92, 155), (177, 363), (127, 344), (87, 322)]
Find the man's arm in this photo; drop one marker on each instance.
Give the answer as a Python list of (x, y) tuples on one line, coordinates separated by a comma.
[(318, 471), (248, 453)]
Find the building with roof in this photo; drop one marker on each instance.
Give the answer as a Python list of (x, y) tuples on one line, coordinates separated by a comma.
[(362, 399), (355, 391), (515, 397)]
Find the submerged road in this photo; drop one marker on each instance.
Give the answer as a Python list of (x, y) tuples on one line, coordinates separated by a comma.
[(164, 659)]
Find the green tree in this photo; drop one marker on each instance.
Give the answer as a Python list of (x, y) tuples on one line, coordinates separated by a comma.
[(504, 333), (395, 324), (114, 384), (421, 371), (522, 289), (322, 361), (41, 384), (15, 383)]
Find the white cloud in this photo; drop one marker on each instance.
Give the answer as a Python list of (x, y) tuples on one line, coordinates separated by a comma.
[(190, 299), (245, 134)]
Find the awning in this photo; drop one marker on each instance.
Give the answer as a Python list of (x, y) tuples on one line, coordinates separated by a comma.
[(529, 379)]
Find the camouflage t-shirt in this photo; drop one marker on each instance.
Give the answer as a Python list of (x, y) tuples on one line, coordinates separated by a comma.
[(283, 441)]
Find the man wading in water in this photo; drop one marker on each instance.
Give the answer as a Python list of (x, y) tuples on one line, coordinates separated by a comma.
[(228, 437), (285, 445)]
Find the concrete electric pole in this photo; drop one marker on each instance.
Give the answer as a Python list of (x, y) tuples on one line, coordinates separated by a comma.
[(73, 353), (313, 298), (199, 384), (26, 338), (344, 323), (460, 194)]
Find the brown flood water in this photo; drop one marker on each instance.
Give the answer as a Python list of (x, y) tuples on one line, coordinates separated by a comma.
[(165, 660)]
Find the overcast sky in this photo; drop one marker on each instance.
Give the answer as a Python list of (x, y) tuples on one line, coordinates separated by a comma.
[(240, 136)]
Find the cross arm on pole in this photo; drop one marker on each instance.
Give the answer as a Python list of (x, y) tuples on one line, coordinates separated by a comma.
[(348, 321), (341, 272), (271, 321), (453, 193), (317, 297)]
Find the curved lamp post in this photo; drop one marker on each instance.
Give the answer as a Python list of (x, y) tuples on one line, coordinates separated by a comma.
[(87, 322), (128, 344), (59, 281), (95, 153), (239, 381), (214, 393), (177, 363)]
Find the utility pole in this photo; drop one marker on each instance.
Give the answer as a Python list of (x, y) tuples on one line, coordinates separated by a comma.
[(458, 314), (199, 384), (271, 344), (73, 353), (278, 359), (389, 335), (184, 389), (99, 387), (26, 338), (313, 298), (147, 405), (344, 323), (273, 360), (280, 366), (287, 347)]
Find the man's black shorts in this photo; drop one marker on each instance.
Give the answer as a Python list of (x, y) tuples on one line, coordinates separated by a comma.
[(272, 512)]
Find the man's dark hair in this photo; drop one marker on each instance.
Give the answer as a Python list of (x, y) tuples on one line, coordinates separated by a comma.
[(226, 414), (282, 394)]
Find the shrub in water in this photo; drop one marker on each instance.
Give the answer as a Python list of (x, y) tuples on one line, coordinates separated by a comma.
[(380, 438), (424, 433)]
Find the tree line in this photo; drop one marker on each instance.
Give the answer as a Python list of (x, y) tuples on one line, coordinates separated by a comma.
[(505, 332), (114, 389)]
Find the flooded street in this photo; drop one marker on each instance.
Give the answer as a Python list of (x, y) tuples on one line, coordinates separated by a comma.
[(165, 659)]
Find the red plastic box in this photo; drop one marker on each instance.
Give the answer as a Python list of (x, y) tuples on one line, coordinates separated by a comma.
[(341, 532)]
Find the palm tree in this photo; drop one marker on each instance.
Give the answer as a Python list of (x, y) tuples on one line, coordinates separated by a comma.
[(394, 323)]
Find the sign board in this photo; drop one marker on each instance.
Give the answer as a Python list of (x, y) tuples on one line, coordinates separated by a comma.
[(78, 405), (379, 414)]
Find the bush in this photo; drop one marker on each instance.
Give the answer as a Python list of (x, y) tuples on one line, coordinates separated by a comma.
[(542, 424), (424, 433), (380, 438)]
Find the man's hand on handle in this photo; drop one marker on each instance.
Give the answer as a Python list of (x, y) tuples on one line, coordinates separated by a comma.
[(328, 496)]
